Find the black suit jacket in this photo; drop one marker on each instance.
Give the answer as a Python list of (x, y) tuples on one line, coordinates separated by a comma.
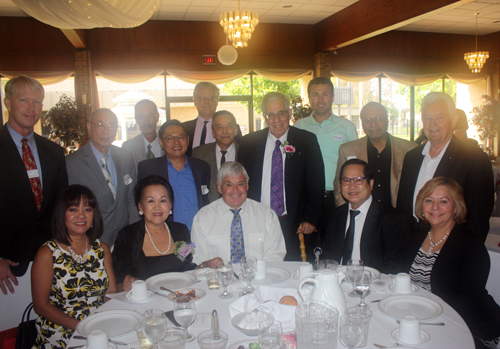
[(22, 229), (384, 235), (190, 127), (470, 167), (159, 166)]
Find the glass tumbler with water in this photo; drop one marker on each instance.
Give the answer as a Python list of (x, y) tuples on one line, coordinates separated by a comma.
[(185, 313), (155, 325), (316, 324), (225, 275), (354, 271)]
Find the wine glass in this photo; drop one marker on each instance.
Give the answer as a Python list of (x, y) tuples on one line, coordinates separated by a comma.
[(354, 270), (185, 313), (362, 287), (270, 334), (155, 325), (225, 275), (351, 331), (248, 270)]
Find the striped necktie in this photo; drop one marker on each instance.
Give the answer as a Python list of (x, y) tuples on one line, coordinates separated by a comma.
[(107, 175)]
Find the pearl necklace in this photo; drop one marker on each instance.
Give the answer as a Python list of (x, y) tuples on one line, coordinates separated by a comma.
[(152, 242), (80, 259), (429, 251)]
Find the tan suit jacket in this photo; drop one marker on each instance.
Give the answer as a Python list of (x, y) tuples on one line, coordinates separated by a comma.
[(357, 149)]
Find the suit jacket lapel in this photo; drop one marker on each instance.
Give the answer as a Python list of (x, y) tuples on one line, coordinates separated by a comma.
[(341, 227), (361, 151), (140, 149), (449, 157), (369, 228), (45, 163), (260, 150), (96, 168), (197, 181)]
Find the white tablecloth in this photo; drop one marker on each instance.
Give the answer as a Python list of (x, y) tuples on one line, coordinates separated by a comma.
[(455, 334)]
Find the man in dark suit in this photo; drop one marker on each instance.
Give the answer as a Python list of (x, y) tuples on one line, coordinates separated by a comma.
[(108, 171), (189, 177), (447, 156), (225, 149), (364, 228), (286, 173), (145, 145), (28, 192)]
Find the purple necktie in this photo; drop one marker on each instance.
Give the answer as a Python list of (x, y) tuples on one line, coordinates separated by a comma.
[(277, 202)]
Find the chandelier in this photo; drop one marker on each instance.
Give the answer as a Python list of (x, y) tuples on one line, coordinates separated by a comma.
[(239, 25), (476, 59)]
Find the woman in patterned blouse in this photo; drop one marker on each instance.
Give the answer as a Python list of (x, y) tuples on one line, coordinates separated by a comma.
[(72, 273)]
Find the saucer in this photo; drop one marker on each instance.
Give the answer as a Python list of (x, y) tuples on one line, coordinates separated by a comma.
[(111, 346), (151, 294), (424, 336), (414, 288)]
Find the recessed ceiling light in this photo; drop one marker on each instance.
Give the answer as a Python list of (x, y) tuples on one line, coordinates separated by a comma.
[(287, 6)]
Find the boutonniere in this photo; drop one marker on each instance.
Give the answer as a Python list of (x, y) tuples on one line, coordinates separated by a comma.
[(183, 249), (287, 148)]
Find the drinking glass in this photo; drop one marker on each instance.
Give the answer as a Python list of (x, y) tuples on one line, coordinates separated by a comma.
[(248, 269), (270, 334), (351, 332), (185, 313), (362, 287), (354, 270), (225, 275), (155, 325)]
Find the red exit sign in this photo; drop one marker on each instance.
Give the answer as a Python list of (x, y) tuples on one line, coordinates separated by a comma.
[(208, 59)]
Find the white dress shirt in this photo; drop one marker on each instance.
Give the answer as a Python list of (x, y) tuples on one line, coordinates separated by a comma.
[(262, 235), (265, 196), (359, 223), (427, 169), (230, 155), (197, 132), (155, 146)]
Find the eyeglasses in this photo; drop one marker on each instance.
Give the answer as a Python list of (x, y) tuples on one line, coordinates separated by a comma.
[(171, 139), (377, 120), (143, 117), (99, 126), (281, 115), (356, 180), (208, 98)]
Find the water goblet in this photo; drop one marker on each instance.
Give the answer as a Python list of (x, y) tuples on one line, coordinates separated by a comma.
[(155, 325), (225, 275), (248, 269), (354, 270), (185, 314), (270, 334), (351, 331), (362, 287)]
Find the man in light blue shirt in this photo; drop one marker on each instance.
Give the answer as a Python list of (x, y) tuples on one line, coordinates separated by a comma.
[(331, 131)]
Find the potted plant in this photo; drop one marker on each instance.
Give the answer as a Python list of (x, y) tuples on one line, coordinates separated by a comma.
[(299, 110)]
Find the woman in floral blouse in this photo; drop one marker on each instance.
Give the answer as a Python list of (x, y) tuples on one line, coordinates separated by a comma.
[(72, 273), (153, 246)]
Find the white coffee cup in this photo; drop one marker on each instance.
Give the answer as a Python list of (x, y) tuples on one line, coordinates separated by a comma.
[(402, 283), (304, 270), (261, 270), (409, 330), (97, 339), (139, 291)]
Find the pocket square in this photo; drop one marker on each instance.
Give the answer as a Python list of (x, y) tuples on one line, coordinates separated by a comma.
[(126, 179), (204, 190)]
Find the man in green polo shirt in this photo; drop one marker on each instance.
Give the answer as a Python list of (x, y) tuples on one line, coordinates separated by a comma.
[(331, 131)]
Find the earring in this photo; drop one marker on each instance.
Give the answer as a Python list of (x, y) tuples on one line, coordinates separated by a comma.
[(170, 211), (92, 226), (141, 213)]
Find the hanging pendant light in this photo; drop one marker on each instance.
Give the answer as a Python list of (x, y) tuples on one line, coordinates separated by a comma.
[(239, 26), (476, 59)]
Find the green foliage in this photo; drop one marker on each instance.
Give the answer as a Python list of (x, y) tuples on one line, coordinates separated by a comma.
[(261, 86), (486, 117), (63, 122), (450, 87), (299, 110)]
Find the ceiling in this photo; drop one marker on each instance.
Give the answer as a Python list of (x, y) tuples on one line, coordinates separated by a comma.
[(460, 20)]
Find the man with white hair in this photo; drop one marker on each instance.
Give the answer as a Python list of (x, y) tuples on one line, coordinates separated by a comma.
[(445, 155), (234, 226)]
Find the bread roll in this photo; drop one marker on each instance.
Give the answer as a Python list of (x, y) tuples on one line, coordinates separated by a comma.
[(288, 300)]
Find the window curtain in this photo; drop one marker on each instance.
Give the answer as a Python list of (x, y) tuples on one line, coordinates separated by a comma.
[(44, 77), (129, 76), (355, 76), (216, 77), (283, 75)]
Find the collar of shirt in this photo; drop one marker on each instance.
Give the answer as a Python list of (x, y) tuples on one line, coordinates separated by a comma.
[(185, 168), (17, 138), (363, 209), (98, 155), (110, 163), (155, 146), (209, 138), (273, 139), (427, 147), (331, 120), (226, 208), (230, 155)]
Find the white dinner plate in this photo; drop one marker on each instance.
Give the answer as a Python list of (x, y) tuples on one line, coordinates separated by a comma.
[(273, 276), (424, 337), (172, 281), (114, 322), (197, 293), (111, 346), (414, 288), (200, 273), (245, 343), (420, 307), (375, 273)]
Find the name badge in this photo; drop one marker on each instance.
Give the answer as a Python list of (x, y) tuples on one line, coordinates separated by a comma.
[(33, 174), (127, 180), (338, 138)]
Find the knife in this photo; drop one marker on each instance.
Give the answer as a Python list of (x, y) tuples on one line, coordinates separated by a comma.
[(111, 341)]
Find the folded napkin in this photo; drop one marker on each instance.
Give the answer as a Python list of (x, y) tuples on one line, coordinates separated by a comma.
[(121, 296), (266, 299)]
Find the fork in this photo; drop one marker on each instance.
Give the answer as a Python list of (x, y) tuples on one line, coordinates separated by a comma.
[(427, 323)]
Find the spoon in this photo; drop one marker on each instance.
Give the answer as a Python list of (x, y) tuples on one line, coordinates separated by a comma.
[(428, 323), (109, 340), (166, 289)]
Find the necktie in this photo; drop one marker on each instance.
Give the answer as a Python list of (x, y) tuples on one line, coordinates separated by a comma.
[(149, 153), (203, 133), (30, 165), (223, 157), (237, 243), (349, 238), (277, 200), (107, 175)]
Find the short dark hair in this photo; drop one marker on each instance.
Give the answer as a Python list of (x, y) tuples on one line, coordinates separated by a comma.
[(72, 196), (152, 180), (367, 170), (320, 80), (173, 122), (223, 112), (144, 101)]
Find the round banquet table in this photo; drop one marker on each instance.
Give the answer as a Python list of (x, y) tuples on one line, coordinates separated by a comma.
[(455, 334)]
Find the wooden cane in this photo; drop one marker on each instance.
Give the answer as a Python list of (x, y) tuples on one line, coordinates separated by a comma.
[(302, 245)]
